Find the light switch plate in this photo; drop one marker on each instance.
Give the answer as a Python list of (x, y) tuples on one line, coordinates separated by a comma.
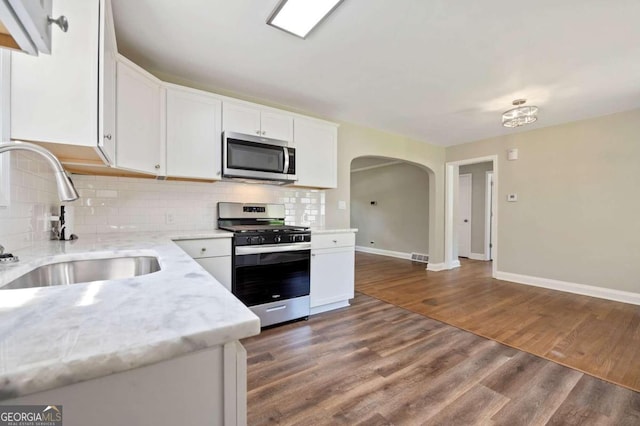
[(342, 205)]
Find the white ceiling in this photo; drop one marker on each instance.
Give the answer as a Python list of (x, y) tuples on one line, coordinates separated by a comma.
[(440, 71)]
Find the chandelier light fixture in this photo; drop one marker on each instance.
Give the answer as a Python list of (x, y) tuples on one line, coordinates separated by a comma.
[(520, 115)]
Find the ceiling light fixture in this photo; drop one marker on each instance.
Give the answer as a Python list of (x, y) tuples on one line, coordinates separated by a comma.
[(520, 115), (299, 17)]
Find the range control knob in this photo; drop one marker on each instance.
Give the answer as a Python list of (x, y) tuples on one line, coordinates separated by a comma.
[(256, 240), (277, 239)]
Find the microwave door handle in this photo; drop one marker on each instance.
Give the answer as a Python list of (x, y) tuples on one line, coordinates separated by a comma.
[(286, 159)]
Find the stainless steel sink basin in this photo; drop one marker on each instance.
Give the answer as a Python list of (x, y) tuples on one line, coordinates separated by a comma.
[(83, 271)]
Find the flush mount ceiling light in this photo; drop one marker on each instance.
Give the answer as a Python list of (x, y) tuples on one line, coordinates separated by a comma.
[(520, 115), (299, 17)]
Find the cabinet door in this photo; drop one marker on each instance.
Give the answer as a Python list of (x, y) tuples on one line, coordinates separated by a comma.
[(55, 97), (140, 147), (316, 153), (107, 88), (332, 275), (276, 126), (193, 135), (240, 118), (219, 268)]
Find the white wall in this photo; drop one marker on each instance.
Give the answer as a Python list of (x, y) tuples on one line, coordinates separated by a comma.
[(399, 221), (576, 218)]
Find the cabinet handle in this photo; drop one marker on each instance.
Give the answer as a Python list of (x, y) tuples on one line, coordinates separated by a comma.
[(218, 173), (107, 136), (313, 255), (264, 132), (335, 241), (257, 132), (61, 21), (203, 249), (157, 166)]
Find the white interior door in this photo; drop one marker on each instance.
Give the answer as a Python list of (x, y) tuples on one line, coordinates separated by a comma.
[(464, 215)]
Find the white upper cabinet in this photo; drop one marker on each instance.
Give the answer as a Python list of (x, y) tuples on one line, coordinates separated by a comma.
[(62, 98), (316, 153), (107, 87), (241, 118), (276, 126), (140, 120), (252, 120), (194, 142)]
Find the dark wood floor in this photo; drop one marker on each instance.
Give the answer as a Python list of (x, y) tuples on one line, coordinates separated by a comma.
[(375, 363), (596, 336)]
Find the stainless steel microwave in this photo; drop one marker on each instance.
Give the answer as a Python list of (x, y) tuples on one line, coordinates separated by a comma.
[(255, 158)]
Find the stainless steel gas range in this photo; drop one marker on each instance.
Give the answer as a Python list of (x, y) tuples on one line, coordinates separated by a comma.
[(271, 261)]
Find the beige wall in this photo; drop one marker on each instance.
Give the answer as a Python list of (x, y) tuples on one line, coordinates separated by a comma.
[(356, 141), (400, 219), (576, 218), (478, 174)]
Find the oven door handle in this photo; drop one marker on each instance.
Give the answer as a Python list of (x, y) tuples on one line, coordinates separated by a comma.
[(272, 248)]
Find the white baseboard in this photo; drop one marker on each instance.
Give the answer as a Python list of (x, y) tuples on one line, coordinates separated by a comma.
[(477, 256), (329, 307), (397, 254), (583, 289)]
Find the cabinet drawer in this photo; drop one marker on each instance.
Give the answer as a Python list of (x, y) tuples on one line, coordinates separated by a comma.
[(210, 247), (322, 241)]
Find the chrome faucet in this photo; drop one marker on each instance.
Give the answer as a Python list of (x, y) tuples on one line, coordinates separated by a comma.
[(66, 190)]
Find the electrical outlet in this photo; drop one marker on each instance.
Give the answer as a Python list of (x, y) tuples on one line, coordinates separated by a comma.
[(512, 197), (170, 218)]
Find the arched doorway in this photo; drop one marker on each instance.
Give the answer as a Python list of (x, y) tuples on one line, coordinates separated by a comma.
[(390, 207)]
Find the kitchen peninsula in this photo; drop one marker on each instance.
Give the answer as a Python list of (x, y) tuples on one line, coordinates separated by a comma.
[(163, 346)]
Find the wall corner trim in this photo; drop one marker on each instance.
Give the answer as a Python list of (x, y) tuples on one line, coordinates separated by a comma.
[(436, 267), (568, 287), (382, 252)]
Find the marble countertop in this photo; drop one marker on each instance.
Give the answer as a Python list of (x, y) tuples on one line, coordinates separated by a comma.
[(56, 336)]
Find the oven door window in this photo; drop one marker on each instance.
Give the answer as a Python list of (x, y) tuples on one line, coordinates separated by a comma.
[(254, 156), (268, 277)]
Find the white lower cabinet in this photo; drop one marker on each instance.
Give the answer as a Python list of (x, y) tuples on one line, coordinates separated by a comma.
[(207, 387), (213, 254), (219, 268), (332, 271)]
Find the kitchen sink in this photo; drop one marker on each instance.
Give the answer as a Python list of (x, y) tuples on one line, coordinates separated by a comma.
[(83, 271)]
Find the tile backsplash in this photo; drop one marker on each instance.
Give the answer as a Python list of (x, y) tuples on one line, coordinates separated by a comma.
[(33, 195), (116, 204)]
